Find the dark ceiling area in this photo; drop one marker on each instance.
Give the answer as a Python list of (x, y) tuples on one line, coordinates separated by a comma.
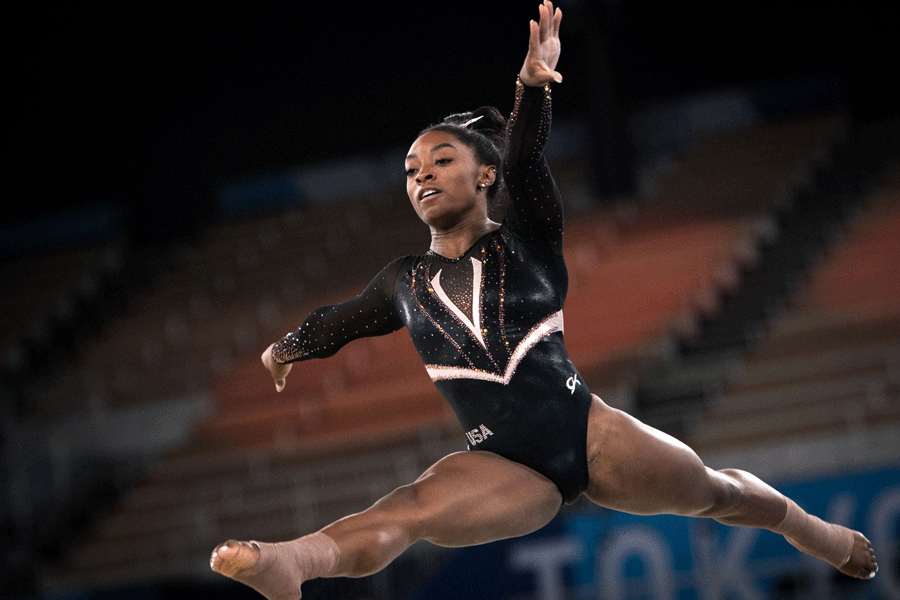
[(157, 103)]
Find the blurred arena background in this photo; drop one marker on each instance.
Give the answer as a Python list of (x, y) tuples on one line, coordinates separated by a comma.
[(190, 182)]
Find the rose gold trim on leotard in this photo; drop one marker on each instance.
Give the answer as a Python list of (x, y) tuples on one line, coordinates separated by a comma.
[(551, 324), (475, 327)]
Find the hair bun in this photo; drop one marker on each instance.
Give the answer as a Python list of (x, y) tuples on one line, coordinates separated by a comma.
[(486, 120)]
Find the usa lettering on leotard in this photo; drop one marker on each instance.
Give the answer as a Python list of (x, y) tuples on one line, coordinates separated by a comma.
[(476, 436)]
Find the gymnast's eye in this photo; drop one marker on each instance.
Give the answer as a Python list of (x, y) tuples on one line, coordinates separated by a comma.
[(409, 172)]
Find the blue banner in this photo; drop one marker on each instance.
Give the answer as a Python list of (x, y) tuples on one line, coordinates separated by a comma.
[(605, 555)]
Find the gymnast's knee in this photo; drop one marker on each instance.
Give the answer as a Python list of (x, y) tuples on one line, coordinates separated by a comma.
[(391, 525), (723, 493), (406, 510)]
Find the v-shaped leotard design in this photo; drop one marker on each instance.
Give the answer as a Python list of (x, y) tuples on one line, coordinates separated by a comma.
[(488, 325)]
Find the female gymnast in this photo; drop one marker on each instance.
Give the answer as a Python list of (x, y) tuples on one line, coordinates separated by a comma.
[(484, 310)]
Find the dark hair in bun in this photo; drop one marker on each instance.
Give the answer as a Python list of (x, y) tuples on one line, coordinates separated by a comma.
[(484, 131)]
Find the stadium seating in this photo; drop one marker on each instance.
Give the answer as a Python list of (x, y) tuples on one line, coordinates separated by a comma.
[(269, 465), (44, 288), (829, 366)]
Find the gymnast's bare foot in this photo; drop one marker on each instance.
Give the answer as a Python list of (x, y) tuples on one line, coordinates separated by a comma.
[(232, 558), (862, 563)]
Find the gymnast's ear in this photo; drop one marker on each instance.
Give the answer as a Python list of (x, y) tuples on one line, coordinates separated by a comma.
[(488, 176)]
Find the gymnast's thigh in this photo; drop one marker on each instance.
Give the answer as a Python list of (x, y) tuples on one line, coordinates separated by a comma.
[(637, 469), (476, 497)]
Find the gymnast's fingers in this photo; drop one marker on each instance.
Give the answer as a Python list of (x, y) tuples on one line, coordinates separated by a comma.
[(557, 18), (545, 28)]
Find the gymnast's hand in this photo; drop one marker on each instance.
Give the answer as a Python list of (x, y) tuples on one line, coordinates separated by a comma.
[(543, 49), (279, 371)]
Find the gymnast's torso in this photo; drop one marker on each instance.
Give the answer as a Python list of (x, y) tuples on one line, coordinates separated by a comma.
[(488, 324)]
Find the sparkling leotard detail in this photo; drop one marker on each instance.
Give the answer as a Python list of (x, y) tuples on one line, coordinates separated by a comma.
[(488, 324)]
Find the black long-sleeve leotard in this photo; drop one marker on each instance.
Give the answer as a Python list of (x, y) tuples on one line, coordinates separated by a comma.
[(488, 325)]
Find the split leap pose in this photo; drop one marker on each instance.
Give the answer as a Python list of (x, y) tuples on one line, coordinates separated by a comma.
[(483, 307)]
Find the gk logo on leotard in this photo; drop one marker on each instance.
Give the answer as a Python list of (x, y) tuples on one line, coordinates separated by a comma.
[(571, 382), (476, 436)]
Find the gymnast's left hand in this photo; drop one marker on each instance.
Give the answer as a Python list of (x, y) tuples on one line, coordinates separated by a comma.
[(543, 48)]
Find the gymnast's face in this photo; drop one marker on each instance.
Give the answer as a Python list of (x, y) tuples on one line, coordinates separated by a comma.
[(442, 175)]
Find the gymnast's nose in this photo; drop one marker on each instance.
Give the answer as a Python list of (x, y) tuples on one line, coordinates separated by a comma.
[(424, 175)]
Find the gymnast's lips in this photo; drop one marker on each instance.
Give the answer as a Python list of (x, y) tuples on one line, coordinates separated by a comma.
[(428, 190)]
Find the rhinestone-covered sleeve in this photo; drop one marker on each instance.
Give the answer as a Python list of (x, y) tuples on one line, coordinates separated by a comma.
[(328, 329), (535, 211)]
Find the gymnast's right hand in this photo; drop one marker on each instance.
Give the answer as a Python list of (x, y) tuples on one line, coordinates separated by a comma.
[(279, 371)]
